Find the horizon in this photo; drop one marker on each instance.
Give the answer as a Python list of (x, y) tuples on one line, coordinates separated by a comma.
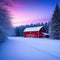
[(25, 12)]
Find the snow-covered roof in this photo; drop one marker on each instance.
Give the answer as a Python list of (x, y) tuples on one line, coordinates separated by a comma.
[(45, 33), (33, 29)]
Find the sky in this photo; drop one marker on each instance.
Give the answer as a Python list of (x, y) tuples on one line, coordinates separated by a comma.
[(25, 12)]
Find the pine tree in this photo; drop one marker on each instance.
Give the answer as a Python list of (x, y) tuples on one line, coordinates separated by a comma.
[(17, 31), (55, 24), (5, 24)]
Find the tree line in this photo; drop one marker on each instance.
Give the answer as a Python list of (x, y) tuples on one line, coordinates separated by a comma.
[(19, 30)]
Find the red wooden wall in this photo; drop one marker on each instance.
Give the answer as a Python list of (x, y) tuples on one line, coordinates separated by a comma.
[(31, 34)]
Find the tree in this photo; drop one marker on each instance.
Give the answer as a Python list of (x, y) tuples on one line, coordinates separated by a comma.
[(5, 2), (55, 24), (46, 25), (17, 31), (5, 24)]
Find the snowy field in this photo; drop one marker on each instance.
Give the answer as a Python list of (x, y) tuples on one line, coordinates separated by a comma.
[(20, 48)]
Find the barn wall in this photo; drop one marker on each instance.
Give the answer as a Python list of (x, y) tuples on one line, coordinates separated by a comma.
[(31, 34), (26, 34), (34, 34)]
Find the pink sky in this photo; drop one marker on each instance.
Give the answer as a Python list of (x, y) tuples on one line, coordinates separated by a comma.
[(22, 14), (31, 11), (22, 18)]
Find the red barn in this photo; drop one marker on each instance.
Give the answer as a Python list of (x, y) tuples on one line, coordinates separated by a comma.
[(35, 32)]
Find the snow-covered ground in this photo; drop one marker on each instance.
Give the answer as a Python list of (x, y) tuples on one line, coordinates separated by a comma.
[(20, 48)]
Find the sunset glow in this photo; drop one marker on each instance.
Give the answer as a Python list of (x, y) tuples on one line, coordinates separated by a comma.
[(24, 13)]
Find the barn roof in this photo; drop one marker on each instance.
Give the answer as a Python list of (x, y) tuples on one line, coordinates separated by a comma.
[(33, 29)]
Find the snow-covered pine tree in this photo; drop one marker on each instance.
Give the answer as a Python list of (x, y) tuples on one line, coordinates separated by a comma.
[(5, 24), (55, 24)]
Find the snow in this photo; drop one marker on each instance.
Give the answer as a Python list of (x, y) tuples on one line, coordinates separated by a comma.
[(33, 29), (45, 33), (20, 48)]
